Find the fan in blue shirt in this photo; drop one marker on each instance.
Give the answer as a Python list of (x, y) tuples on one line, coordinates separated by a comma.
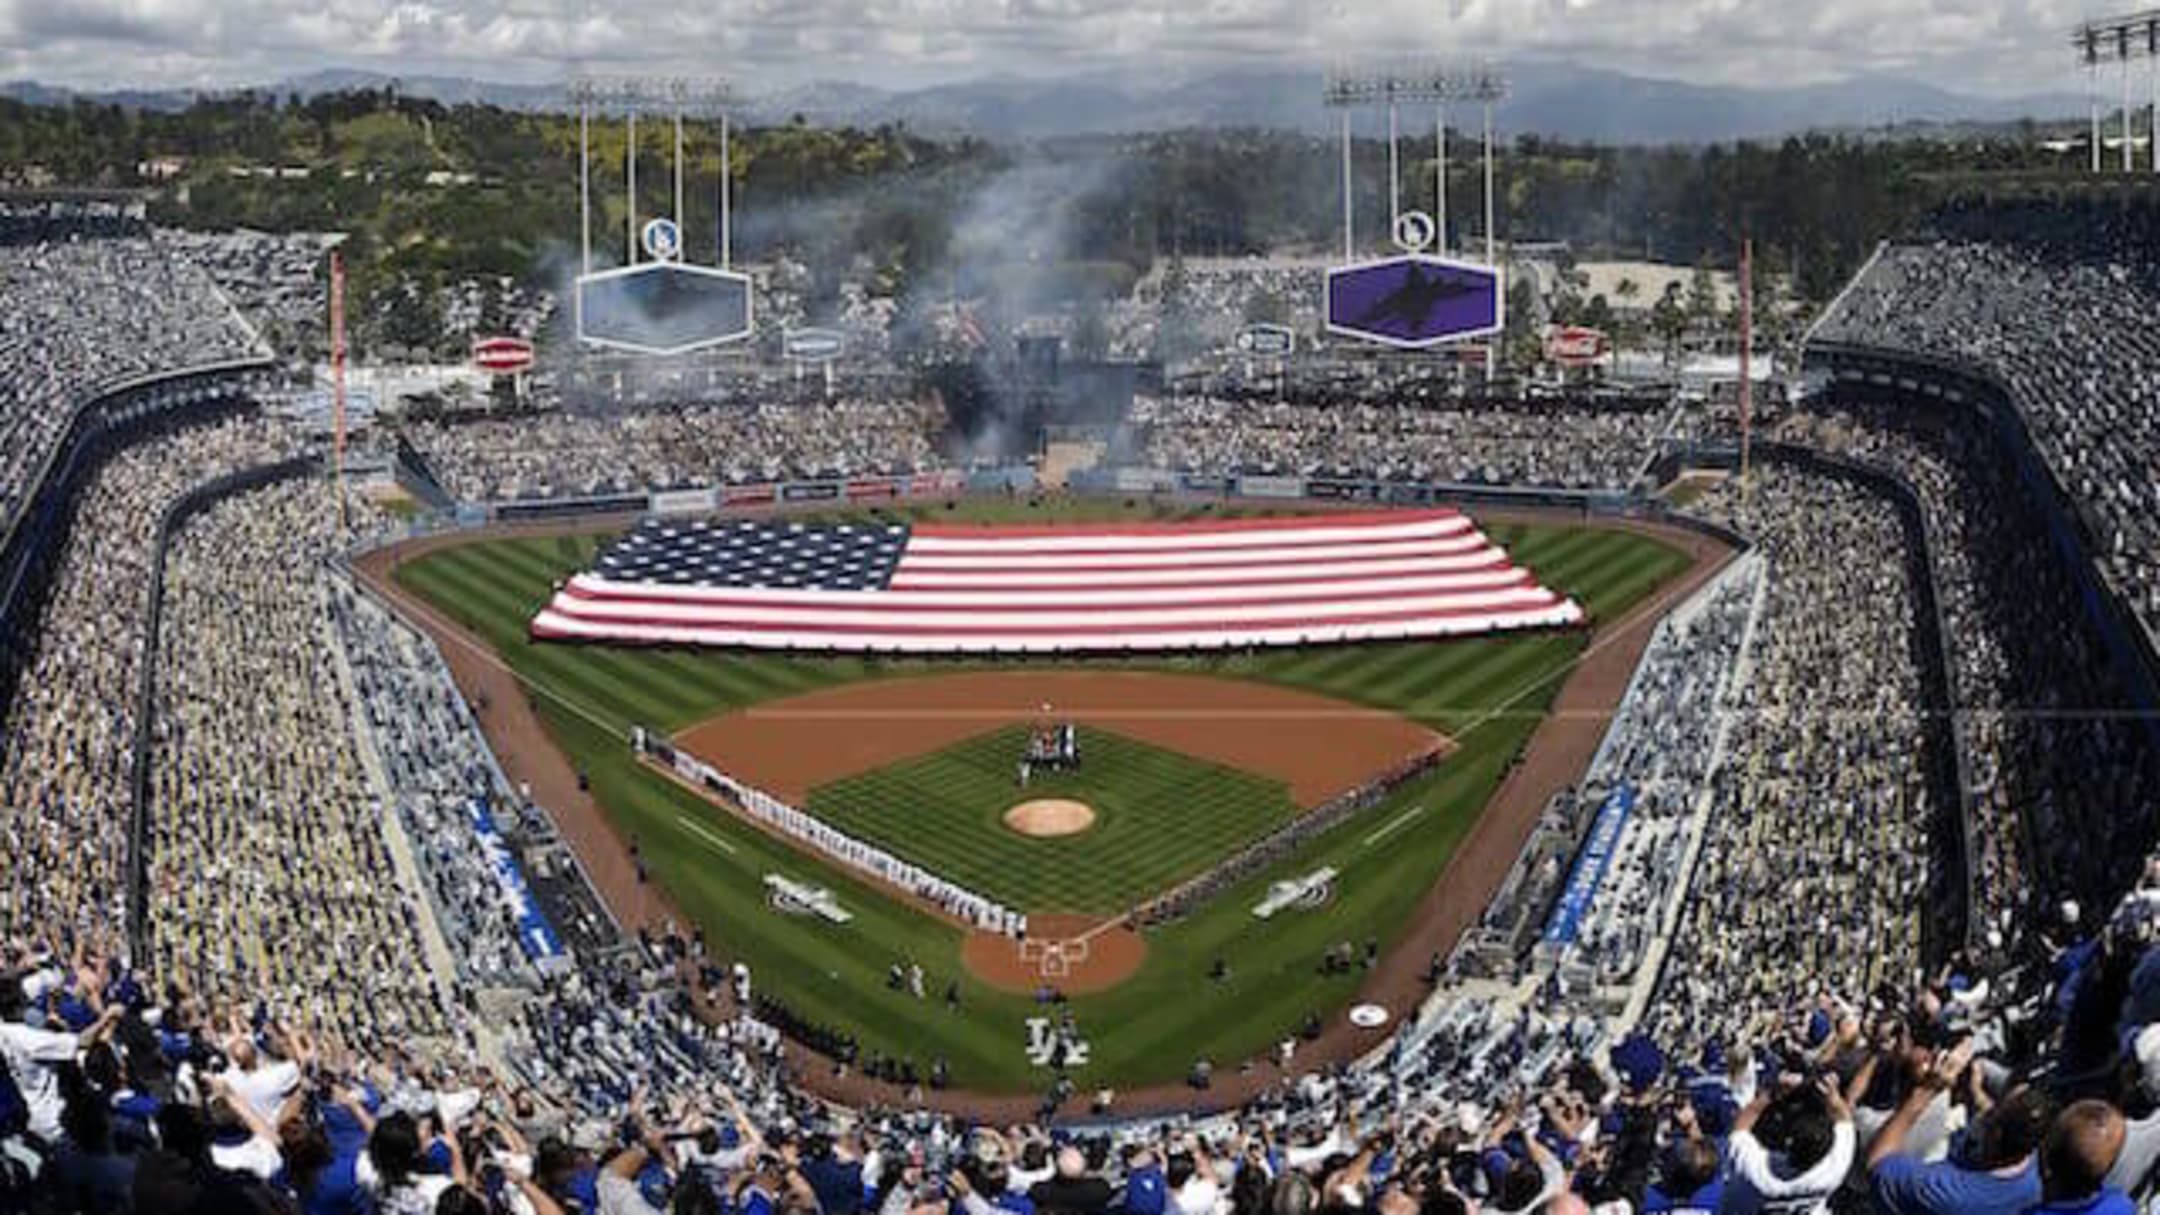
[(2074, 1163), (1689, 1184), (1994, 1173)]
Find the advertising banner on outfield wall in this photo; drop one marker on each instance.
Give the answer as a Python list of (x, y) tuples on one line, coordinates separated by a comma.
[(1016, 480), (871, 490), (1202, 484), (685, 501), (747, 495), (810, 491), (1271, 487), (1334, 489), (565, 508), (1142, 481), (935, 484)]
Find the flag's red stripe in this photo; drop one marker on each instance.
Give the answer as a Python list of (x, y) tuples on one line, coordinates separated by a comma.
[(1170, 578), (1056, 563), (1016, 552), (996, 531)]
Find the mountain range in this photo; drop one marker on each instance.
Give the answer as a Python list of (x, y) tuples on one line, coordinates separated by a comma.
[(1546, 98)]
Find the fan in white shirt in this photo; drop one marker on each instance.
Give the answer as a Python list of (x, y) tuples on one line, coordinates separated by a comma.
[(35, 1055), (1814, 1152)]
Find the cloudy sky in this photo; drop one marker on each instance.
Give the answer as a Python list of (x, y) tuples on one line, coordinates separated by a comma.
[(1976, 46)]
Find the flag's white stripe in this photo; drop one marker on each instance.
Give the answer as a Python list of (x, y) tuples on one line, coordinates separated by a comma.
[(1481, 579), (908, 578), (1188, 541), (1287, 558), (1090, 620), (1565, 612)]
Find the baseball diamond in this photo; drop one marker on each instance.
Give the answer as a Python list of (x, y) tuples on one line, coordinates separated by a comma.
[(1486, 696)]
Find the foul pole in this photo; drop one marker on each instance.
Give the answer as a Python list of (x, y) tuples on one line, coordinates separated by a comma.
[(727, 173), (1747, 347), (1439, 142), (337, 378), (1349, 241)]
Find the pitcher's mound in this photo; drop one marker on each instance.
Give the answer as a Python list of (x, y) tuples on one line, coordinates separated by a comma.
[(1050, 816)]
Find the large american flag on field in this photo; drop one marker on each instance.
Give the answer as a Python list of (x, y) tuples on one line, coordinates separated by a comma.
[(773, 584)]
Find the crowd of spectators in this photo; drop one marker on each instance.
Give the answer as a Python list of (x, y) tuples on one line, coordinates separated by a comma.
[(1519, 443), (1202, 302), (434, 768), (1814, 872), (278, 281), (570, 455), (2056, 300), (79, 314), (1667, 738), (269, 869), (2058, 765), (67, 758)]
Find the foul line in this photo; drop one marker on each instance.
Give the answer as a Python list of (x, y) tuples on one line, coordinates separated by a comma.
[(703, 832), (1401, 820)]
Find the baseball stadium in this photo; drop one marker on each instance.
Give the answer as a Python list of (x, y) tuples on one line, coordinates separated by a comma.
[(991, 636)]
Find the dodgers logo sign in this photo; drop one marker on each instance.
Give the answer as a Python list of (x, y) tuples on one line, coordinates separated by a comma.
[(662, 240), (1413, 301)]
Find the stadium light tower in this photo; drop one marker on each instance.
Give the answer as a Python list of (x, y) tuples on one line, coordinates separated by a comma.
[(659, 300), (2119, 40), (1438, 85), (674, 98)]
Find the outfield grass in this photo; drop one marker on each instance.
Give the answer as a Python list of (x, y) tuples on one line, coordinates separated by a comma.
[(1159, 817), (1486, 694)]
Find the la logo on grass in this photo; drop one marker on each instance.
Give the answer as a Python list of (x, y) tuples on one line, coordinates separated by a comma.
[(1053, 1045)]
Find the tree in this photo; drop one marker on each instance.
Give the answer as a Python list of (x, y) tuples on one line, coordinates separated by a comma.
[(1264, 307)]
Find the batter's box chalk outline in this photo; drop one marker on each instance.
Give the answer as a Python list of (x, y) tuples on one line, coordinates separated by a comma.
[(1054, 959)]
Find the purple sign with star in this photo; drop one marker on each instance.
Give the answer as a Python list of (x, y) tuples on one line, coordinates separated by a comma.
[(1413, 300)]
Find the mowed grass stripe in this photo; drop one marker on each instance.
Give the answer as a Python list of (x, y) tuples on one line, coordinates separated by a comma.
[(661, 686), (600, 679)]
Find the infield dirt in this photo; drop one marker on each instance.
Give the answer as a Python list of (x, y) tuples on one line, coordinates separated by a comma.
[(1316, 745)]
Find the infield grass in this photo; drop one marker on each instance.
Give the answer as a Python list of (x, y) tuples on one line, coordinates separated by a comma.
[(1159, 816), (1486, 694)]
